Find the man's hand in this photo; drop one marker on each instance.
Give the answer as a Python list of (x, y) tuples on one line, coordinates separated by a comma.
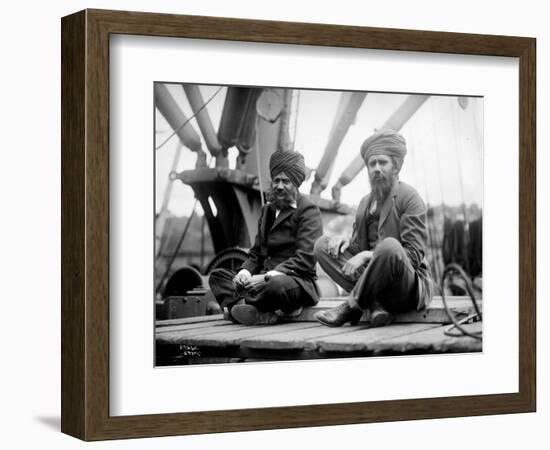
[(352, 265), (337, 245), (241, 279), (254, 284)]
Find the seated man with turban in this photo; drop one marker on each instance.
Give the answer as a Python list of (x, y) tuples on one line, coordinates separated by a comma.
[(278, 277), (383, 265)]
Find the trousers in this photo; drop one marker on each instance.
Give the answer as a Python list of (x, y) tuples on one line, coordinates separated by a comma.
[(279, 293), (389, 278)]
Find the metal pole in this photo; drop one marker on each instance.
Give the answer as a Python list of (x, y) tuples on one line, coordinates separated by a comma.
[(349, 105), (395, 122), (173, 114), (196, 101)]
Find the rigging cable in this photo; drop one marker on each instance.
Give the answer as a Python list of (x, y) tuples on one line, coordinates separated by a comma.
[(166, 197), (178, 245), (458, 162), (257, 143), (190, 118), (436, 139), (460, 172), (432, 240), (478, 133), (296, 119), (440, 178), (458, 324), (180, 241)]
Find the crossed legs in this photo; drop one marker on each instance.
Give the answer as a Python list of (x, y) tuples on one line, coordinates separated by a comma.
[(387, 282), (281, 293)]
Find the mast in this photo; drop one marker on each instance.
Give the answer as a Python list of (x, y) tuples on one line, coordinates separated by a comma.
[(175, 117), (349, 104), (196, 101), (396, 121)]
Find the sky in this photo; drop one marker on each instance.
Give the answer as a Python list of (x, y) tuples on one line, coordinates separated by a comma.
[(444, 161)]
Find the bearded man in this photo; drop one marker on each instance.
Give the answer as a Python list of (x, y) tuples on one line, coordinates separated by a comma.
[(383, 265), (278, 277)]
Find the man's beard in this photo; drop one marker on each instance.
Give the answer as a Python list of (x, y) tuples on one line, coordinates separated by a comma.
[(282, 203), (381, 186)]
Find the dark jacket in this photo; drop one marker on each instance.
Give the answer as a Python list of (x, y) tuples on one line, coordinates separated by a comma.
[(403, 217), (287, 245)]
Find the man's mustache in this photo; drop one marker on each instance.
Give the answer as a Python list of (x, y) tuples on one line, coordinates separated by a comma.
[(379, 179)]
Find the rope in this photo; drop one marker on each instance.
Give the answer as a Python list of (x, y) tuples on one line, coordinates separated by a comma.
[(296, 119), (202, 240), (257, 143), (190, 118), (456, 133), (178, 246), (436, 139), (182, 237), (458, 161), (458, 324), (431, 241), (477, 132), (439, 178)]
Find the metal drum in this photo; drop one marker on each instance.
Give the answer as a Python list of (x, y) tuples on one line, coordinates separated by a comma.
[(182, 281)]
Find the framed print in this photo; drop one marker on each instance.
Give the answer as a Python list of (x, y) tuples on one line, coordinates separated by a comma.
[(254, 212)]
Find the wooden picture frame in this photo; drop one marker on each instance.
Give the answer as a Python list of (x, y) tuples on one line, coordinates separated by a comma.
[(85, 224)]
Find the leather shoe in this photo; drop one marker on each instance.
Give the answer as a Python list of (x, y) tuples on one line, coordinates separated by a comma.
[(250, 315), (379, 316), (228, 308), (289, 315), (227, 315), (336, 317)]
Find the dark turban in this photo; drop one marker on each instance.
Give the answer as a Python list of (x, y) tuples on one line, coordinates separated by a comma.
[(291, 163), (385, 142)]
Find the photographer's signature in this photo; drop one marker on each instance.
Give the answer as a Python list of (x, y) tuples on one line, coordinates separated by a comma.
[(191, 351)]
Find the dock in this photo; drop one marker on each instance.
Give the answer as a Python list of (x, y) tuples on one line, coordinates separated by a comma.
[(214, 339)]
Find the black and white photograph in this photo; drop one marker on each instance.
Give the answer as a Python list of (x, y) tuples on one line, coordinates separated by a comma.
[(295, 224), (255, 224)]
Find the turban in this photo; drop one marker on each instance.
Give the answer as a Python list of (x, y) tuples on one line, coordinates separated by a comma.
[(289, 162), (385, 142)]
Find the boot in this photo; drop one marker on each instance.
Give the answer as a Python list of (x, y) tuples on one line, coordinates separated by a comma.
[(250, 315), (379, 316), (289, 315), (338, 316), (229, 307)]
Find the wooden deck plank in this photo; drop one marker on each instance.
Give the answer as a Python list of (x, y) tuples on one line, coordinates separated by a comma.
[(223, 336), (304, 339), (186, 320), (180, 336), (193, 326), (437, 301), (224, 327), (367, 339), (433, 340), (235, 337), (309, 336), (435, 313)]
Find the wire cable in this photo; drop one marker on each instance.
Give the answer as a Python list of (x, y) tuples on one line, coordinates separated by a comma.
[(190, 118), (178, 246), (180, 241), (296, 119), (458, 324), (257, 141)]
